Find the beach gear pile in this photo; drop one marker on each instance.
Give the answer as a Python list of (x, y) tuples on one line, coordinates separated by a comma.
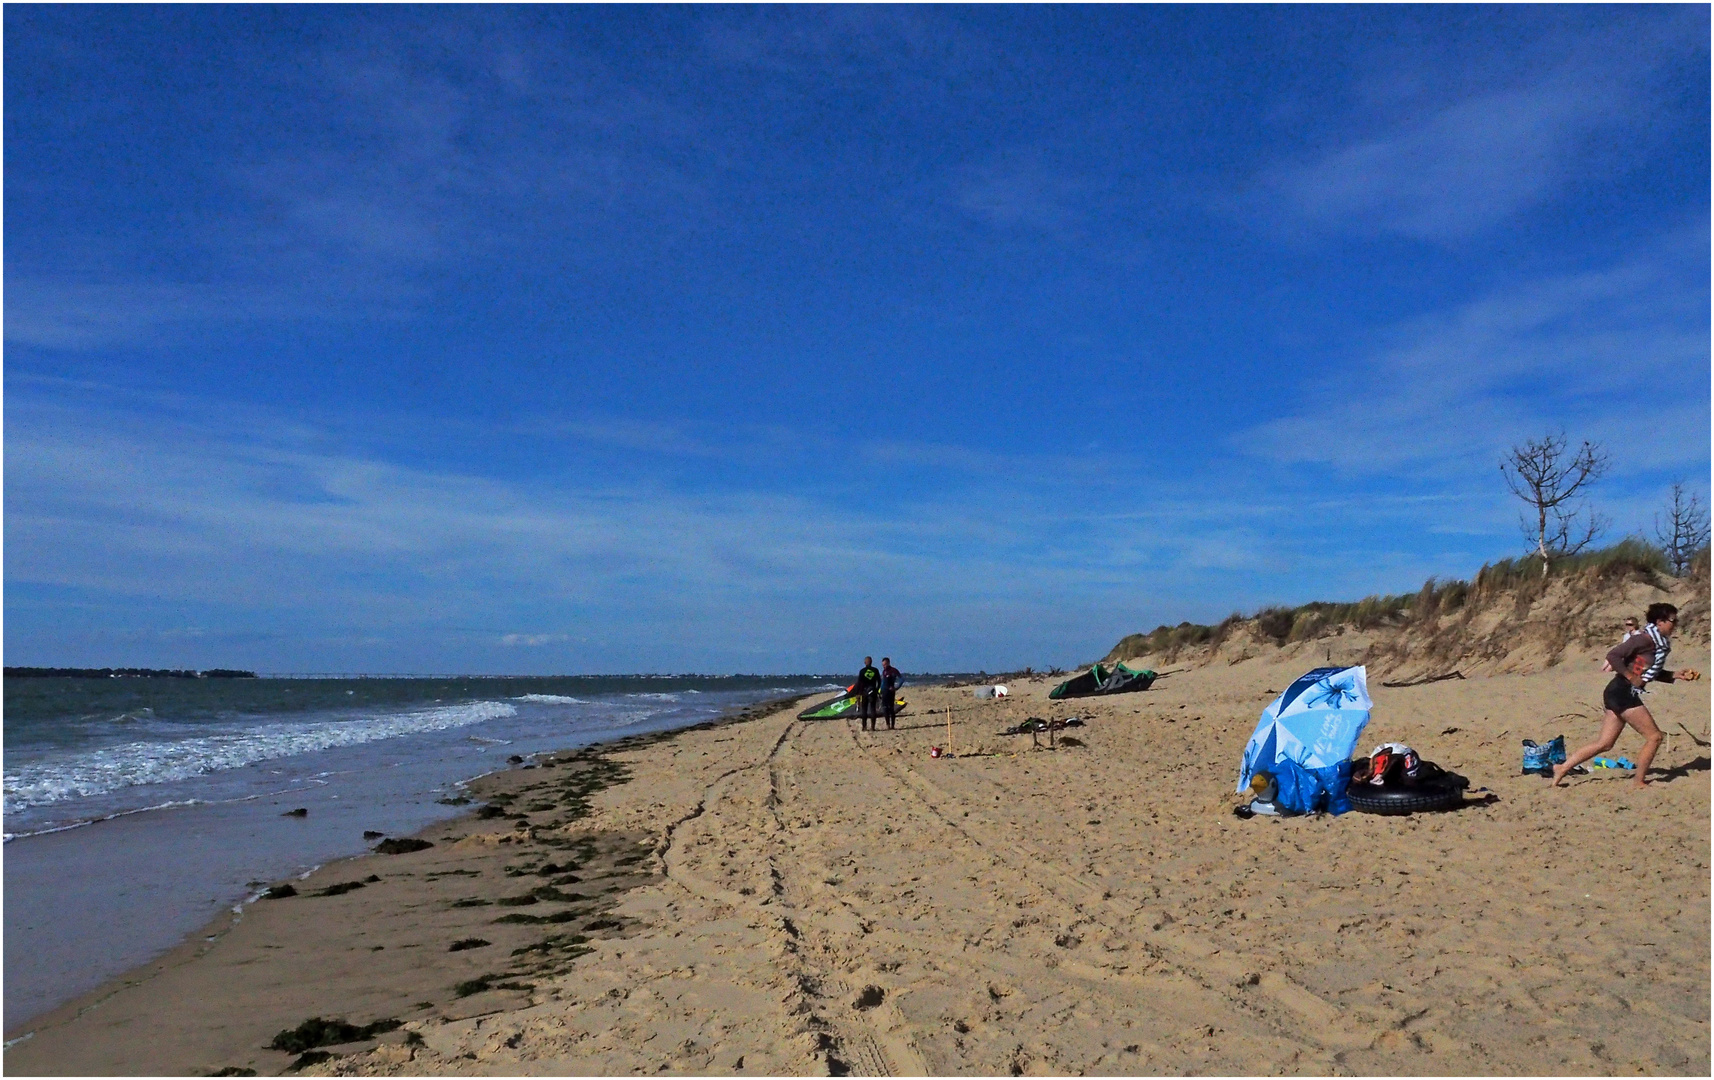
[(1100, 680), (1299, 759), (1305, 740), (1394, 779)]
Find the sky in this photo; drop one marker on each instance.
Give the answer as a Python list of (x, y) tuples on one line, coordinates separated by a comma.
[(557, 340)]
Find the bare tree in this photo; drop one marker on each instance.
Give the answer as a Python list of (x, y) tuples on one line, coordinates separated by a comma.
[(1551, 479), (1684, 530)]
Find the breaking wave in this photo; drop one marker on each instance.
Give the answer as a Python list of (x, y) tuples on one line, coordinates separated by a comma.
[(96, 772)]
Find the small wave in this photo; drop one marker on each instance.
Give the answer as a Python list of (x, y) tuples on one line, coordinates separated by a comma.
[(68, 826), (131, 764), (656, 697), (551, 699)]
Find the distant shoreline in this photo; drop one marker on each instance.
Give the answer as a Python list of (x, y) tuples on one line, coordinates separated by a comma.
[(124, 673)]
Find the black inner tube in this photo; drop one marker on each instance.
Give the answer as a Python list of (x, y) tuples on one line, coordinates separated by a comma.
[(1436, 793)]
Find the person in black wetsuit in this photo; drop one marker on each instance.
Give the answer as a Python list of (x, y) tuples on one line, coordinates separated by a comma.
[(868, 692), (891, 679), (1638, 660)]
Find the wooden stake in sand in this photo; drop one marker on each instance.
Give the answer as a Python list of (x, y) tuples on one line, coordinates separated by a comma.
[(949, 731)]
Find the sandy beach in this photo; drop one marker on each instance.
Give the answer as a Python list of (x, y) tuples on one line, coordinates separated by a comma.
[(774, 896)]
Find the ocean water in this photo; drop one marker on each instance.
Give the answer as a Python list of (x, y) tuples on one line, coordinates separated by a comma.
[(136, 810)]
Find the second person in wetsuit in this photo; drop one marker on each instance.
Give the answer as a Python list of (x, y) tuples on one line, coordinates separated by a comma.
[(890, 682)]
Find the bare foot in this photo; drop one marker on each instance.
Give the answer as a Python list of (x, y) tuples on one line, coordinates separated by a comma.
[(1559, 772), (1640, 782)]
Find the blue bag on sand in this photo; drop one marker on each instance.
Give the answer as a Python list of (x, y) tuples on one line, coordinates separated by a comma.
[(1541, 759), (1535, 758), (1306, 791), (1556, 751)]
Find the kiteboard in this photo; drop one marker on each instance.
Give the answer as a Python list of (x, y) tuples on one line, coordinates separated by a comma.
[(848, 703)]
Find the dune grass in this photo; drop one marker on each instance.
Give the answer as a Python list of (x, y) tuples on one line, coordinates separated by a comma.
[(1282, 625)]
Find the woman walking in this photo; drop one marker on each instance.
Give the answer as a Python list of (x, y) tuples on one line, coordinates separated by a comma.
[(1638, 660)]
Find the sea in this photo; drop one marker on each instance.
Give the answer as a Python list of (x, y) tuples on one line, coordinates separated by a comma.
[(138, 809)]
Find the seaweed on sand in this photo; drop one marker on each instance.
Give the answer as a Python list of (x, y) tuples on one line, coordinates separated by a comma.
[(572, 942), (401, 846), (557, 917), (316, 1032)]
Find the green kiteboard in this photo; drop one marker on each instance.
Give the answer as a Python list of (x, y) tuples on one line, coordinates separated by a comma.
[(845, 704)]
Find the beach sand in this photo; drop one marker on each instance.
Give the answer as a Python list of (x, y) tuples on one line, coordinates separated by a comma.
[(774, 896)]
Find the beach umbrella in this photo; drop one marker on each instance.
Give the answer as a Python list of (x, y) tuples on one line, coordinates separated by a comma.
[(1315, 723)]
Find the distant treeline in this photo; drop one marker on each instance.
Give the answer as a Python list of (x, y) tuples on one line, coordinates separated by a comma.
[(123, 673)]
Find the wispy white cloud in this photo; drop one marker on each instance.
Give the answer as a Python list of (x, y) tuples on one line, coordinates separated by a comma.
[(1620, 354), (71, 314), (414, 157), (1442, 151), (532, 640), (268, 528), (277, 537), (1457, 171)]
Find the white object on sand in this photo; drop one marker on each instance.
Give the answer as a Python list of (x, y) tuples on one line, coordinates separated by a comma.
[(991, 691)]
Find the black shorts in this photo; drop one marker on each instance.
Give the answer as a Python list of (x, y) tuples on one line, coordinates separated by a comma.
[(1620, 695)]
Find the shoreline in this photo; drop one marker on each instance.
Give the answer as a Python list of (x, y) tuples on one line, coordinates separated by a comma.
[(194, 934), (772, 896)]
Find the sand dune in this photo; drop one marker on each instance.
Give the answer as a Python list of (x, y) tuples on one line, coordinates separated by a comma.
[(815, 899)]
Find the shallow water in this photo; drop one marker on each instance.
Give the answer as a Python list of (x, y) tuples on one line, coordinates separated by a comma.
[(137, 812)]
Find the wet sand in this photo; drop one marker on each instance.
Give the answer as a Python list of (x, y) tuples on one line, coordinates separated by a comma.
[(775, 896)]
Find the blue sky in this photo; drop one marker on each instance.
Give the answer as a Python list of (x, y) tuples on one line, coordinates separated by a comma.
[(545, 340)]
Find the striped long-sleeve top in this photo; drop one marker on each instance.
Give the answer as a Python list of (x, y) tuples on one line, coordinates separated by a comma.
[(1652, 643)]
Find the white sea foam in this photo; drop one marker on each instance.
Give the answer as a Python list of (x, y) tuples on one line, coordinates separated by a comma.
[(96, 772), (551, 699)]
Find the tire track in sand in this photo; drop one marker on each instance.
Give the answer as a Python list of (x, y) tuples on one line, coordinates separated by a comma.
[(851, 1046), (1173, 999), (1235, 979)]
